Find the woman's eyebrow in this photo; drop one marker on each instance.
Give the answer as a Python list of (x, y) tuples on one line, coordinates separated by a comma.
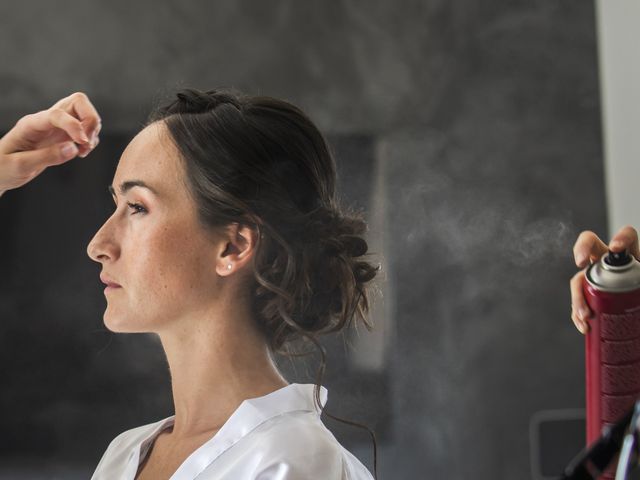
[(128, 185)]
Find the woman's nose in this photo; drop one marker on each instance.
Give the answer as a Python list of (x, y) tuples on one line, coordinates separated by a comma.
[(102, 246)]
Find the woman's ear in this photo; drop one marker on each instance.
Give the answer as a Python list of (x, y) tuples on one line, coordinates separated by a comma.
[(238, 247)]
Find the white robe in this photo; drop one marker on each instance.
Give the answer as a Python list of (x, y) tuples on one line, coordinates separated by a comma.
[(278, 436)]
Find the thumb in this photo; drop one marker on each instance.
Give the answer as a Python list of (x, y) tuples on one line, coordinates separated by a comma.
[(22, 167), (626, 238), (41, 158)]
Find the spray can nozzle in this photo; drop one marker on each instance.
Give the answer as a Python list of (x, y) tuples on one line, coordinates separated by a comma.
[(617, 259)]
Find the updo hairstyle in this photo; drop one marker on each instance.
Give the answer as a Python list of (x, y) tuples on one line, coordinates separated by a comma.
[(261, 162)]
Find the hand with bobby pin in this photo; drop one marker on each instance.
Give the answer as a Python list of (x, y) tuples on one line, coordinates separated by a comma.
[(590, 248), (50, 137)]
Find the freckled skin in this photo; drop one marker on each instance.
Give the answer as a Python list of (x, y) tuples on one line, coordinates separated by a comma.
[(163, 259), (176, 283)]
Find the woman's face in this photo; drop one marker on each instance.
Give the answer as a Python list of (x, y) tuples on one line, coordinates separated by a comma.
[(152, 245)]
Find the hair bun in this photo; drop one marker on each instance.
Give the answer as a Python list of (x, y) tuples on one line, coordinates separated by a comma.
[(335, 233), (191, 100)]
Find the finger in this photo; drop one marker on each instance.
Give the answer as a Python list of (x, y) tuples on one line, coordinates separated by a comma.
[(43, 122), (96, 132), (578, 302), (65, 121), (80, 106), (582, 327), (625, 239), (588, 247), (26, 162), (87, 149)]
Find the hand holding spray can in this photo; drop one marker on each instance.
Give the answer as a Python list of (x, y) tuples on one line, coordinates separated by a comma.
[(612, 291)]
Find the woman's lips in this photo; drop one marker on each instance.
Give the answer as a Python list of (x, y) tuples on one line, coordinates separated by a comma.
[(108, 282), (111, 287)]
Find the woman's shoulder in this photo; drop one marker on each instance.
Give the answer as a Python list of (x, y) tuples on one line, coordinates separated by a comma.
[(302, 443)]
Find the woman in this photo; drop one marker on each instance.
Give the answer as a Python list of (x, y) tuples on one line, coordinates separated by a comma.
[(228, 243)]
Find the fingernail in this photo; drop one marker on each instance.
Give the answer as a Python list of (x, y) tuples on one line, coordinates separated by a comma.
[(583, 313), (69, 150), (580, 326), (580, 259), (96, 131), (94, 140), (616, 244)]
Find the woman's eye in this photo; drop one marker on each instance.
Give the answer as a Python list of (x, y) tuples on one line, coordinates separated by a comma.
[(137, 207)]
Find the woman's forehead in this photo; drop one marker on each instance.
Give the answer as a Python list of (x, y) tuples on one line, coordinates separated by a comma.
[(149, 158)]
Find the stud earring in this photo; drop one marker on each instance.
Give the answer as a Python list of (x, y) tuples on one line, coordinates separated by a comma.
[(229, 267)]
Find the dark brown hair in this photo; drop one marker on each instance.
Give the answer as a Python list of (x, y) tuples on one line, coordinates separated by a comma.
[(260, 161)]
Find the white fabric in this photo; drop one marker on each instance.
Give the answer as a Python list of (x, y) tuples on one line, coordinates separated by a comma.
[(278, 436)]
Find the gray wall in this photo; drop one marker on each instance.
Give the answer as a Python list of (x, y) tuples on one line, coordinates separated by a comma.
[(481, 123), (620, 93)]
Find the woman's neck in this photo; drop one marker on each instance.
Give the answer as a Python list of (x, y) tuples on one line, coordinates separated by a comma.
[(215, 364)]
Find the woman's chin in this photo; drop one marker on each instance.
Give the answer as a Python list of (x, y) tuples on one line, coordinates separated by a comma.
[(123, 323), (118, 323)]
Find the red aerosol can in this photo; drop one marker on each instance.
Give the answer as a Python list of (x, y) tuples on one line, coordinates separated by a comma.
[(612, 291)]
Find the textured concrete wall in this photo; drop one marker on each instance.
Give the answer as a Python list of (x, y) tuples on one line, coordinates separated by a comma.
[(481, 119), (489, 197), (355, 66)]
